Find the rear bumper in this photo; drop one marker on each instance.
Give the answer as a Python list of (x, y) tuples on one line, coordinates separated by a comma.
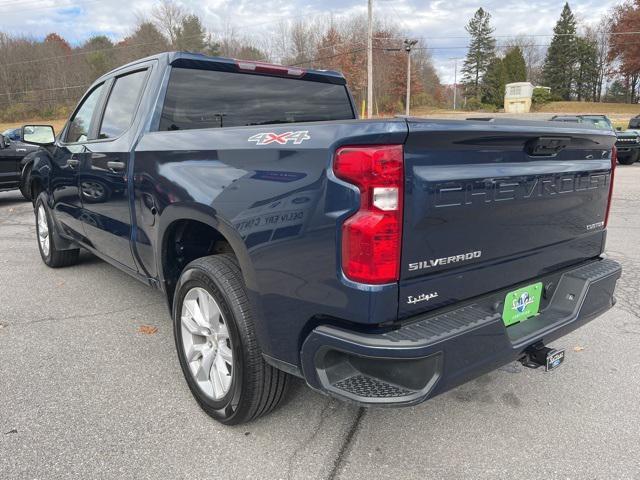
[(431, 354)]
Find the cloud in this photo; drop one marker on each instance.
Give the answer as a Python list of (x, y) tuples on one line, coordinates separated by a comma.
[(436, 22)]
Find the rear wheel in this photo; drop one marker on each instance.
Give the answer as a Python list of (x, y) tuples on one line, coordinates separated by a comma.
[(217, 346), (51, 256)]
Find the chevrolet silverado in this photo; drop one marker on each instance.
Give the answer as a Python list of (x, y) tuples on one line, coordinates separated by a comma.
[(383, 261)]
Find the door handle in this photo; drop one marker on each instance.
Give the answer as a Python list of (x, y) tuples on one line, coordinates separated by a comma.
[(73, 162), (116, 165)]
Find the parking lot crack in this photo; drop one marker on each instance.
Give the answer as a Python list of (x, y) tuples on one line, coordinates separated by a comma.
[(89, 315), (346, 445), (324, 414)]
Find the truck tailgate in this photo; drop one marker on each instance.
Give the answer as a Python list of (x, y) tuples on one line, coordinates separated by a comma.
[(487, 206)]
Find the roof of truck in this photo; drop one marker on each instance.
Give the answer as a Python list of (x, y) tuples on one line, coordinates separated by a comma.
[(206, 62)]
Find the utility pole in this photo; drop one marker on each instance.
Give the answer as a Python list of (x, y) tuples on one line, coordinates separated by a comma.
[(370, 61), (455, 80), (408, 45)]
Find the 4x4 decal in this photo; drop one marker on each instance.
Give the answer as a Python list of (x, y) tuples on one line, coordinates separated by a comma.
[(280, 138)]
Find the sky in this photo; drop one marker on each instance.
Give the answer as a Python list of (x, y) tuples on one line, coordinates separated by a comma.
[(430, 21)]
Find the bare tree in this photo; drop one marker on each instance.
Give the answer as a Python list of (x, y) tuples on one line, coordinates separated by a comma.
[(600, 36), (168, 16)]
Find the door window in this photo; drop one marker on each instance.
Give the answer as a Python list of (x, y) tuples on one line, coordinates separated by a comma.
[(122, 103), (80, 124)]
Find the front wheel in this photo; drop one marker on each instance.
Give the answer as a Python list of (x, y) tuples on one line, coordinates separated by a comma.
[(217, 345), (51, 256), (628, 159), (25, 183)]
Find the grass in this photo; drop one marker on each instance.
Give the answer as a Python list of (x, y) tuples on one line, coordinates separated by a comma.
[(620, 113), (591, 107)]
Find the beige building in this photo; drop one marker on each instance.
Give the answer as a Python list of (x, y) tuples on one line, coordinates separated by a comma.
[(517, 98)]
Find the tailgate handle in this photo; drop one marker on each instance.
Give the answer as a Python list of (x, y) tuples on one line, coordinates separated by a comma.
[(547, 146)]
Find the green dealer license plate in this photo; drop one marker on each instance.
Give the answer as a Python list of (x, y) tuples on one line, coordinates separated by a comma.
[(522, 304)]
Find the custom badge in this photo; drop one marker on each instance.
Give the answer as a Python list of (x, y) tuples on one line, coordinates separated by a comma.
[(268, 138)]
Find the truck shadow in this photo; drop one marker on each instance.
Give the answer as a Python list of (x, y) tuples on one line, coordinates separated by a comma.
[(11, 198)]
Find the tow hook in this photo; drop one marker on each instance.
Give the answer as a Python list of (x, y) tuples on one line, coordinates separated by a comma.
[(538, 355)]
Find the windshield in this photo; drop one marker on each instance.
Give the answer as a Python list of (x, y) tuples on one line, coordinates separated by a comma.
[(12, 134), (599, 122)]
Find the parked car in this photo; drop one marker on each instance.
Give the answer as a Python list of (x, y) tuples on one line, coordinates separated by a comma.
[(627, 144), (597, 121), (634, 123), (383, 261), (15, 163)]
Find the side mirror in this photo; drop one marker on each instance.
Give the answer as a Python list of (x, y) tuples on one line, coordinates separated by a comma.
[(38, 134), (3, 142)]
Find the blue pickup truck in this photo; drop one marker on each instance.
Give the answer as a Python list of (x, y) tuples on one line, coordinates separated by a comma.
[(384, 261)]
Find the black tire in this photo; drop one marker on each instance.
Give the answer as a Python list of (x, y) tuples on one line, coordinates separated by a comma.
[(256, 387), (54, 258), (627, 160), (25, 183)]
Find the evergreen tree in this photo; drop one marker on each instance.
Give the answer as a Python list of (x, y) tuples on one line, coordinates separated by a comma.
[(191, 35), (100, 56), (515, 66), (617, 93), (494, 82), (145, 40), (587, 72), (561, 56), (481, 52)]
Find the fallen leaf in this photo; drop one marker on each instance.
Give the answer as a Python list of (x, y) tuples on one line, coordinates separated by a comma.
[(578, 348), (147, 329)]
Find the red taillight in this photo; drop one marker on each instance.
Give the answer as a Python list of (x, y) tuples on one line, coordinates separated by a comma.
[(614, 161), (259, 67), (372, 237)]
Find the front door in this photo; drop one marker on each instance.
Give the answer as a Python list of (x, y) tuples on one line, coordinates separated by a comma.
[(104, 179), (69, 155)]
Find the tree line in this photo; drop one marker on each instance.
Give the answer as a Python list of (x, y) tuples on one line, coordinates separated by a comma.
[(581, 63), (44, 78)]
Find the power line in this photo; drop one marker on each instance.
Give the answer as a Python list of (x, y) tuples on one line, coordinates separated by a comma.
[(498, 46), (449, 37), (46, 100), (24, 92), (327, 57)]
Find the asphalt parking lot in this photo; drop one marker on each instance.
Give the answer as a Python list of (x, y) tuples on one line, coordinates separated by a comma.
[(90, 389)]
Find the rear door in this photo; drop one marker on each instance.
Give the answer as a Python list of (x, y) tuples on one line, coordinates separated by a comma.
[(484, 210), (104, 175)]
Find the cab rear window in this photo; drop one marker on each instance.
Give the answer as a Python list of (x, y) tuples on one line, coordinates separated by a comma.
[(212, 99)]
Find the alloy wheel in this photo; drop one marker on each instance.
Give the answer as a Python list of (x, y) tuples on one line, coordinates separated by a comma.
[(206, 343), (43, 230)]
